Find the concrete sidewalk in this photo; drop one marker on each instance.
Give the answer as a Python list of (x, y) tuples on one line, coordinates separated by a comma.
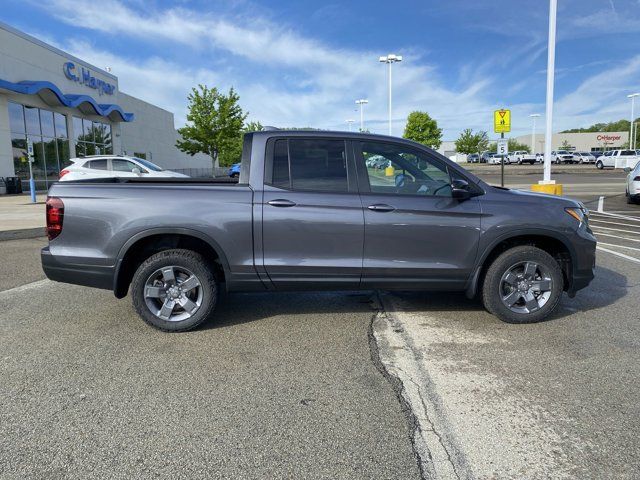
[(19, 218)]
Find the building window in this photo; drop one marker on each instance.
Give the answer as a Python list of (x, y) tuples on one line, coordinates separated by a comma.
[(92, 138), (48, 132)]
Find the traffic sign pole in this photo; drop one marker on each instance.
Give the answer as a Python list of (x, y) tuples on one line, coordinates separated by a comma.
[(502, 166)]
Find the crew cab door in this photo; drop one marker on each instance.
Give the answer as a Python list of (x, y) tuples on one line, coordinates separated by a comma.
[(416, 234), (312, 221)]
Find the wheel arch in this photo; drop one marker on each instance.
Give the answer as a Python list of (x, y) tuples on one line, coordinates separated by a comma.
[(554, 243), (148, 242)]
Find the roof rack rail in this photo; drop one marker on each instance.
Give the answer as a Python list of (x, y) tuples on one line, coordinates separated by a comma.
[(269, 128)]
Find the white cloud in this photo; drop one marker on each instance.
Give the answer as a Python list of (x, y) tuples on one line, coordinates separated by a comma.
[(304, 82)]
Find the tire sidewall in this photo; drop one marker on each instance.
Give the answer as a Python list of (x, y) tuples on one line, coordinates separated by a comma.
[(194, 262), (491, 287)]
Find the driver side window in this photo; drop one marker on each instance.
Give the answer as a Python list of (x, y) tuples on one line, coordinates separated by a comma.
[(400, 170)]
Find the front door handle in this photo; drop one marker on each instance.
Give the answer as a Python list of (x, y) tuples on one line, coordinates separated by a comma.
[(281, 202), (381, 207)]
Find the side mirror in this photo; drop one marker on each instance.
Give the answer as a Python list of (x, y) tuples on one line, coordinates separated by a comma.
[(136, 170), (627, 169), (460, 189)]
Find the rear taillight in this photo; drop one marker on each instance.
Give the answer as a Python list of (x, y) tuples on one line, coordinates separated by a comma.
[(62, 173), (55, 216)]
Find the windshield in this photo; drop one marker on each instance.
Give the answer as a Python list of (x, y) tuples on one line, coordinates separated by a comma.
[(148, 164)]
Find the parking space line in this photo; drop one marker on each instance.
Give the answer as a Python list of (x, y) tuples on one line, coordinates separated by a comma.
[(616, 229), (612, 223), (621, 255), (25, 287), (619, 246), (601, 204), (615, 215), (616, 236)]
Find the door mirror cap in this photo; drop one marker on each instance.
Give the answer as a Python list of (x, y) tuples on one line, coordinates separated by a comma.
[(627, 169), (460, 189), (136, 170)]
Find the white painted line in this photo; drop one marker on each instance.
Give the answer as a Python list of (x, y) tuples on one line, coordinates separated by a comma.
[(612, 223), (619, 246), (601, 204), (621, 255), (615, 229), (25, 287), (616, 236), (614, 215)]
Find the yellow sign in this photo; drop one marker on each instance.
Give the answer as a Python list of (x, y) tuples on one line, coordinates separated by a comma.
[(502, 121)]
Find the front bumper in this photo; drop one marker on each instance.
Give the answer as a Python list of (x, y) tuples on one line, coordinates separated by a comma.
[(584, 261), (76, 271)]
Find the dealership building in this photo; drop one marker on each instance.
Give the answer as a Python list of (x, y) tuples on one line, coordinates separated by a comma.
[(580, 142), (69, 108)]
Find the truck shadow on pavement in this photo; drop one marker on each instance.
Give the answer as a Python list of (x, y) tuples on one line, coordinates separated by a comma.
[(607, 287)]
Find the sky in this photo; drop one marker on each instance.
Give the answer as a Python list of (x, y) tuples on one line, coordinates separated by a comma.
[(304, 63)]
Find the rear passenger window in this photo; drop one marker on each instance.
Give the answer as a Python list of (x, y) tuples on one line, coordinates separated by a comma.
[(97, 164), (314, 165)]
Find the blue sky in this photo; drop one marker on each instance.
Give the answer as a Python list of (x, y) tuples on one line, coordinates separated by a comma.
[(305, 63)]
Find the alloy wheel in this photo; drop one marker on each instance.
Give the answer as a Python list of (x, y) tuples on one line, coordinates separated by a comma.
[(526, 287), (173, 293)]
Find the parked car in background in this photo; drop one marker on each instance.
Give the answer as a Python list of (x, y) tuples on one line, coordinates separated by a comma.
[(107, 166), (562, 156), (485, 156), (308, 214), (618, 159), (234, 170), (633, 184), (496, 159), (522, 156), (585, 157), (473, 158), (597, 153)]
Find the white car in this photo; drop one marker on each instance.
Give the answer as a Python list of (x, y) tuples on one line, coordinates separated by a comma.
[(584, 157), (563, 156), (633, 184), (109, 166), (521, 156), (618, 159), (496, 159)]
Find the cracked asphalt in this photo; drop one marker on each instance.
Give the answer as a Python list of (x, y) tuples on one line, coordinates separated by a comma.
[(282, 386)]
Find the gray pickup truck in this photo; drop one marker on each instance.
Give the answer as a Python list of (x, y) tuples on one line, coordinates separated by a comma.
[(312, 211)]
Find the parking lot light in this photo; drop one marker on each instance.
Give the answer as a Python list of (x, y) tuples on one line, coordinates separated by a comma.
[(350, 122), (632, 140), (533, 133), (389, 60), (362, 102)]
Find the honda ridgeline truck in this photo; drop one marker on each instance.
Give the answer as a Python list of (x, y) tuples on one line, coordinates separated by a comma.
[(307, 213)]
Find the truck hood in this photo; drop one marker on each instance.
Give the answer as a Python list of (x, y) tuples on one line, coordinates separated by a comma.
[(544, 198)]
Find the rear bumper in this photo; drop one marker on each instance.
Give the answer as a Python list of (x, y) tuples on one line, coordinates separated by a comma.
[(63, 269)]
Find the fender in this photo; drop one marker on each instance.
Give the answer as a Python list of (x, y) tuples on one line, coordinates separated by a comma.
[(472, 282), (170, 231)]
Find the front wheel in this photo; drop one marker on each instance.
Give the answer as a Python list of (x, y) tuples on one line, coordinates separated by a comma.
[(599, 165), (174, 290), (523, 285)]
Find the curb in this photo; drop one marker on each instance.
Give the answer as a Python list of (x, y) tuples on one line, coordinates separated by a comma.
[(22, 234)]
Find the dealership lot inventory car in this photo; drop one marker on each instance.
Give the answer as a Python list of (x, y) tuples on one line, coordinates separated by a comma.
[(618, 159), (562, 156), (473, 158), (308, 213), (633, 184), (522, 156), (584, 157), (109, 166)]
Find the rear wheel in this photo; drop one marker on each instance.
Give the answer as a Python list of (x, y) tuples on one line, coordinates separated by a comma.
[(523, 285), (174, 290)]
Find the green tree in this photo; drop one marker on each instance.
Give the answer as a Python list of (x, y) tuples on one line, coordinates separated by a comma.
[(469, 142), (423, 129), (514, 146), (215, 123)]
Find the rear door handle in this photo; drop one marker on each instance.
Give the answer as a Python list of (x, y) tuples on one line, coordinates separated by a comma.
[(381, 207), (281, 202)]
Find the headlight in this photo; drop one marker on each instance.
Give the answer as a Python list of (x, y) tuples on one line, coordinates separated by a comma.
[(581, 213)]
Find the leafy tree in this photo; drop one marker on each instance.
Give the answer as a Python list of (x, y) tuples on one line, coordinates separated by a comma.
[(514, 146), (423, 129), (469, 142), (215, 123)]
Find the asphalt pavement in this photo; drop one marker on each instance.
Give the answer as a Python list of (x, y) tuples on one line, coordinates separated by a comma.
[(280, 386)]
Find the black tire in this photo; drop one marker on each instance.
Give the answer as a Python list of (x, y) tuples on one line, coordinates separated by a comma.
[(235, 175), (492, 286), (185, 259), (599, 165)]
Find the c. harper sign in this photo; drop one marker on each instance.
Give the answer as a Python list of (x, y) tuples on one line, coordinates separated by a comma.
[(608, 138), (84, 77)]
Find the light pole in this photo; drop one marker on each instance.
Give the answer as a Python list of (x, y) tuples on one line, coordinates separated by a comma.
[(362, 102), (533, 133), (350, 122), (389, 60), (551, 61), (632, 140)]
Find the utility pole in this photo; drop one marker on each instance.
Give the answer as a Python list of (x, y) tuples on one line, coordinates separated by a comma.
[(389, 60), (551, 61), (632, 140), (533, 133)]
